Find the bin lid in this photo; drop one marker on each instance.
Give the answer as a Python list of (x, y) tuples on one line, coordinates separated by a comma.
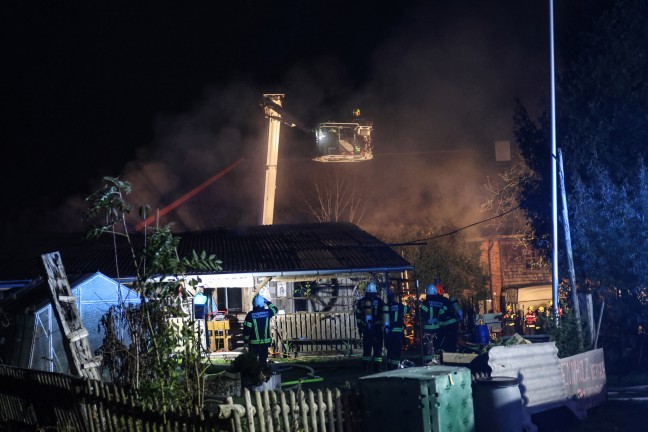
[(499, 381)]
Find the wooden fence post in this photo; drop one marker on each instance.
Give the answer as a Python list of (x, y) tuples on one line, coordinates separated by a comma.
[(248, 410)]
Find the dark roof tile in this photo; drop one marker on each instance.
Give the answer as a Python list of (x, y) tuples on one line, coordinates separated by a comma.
[(253, 249)]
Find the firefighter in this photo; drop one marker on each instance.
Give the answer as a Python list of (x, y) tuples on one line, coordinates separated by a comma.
[(449, 321), (256, 328), (530, 319), (550, 309), (393, 314), (429, 312), (368, 313), (541, 319), (508, 319)]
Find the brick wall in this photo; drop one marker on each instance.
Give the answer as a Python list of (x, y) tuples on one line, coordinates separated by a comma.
[(510, 265)]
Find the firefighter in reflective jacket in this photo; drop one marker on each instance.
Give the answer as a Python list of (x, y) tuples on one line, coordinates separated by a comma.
[(429, 312), (449, 321), (508, 319), (541, 319), (256, 328), (368, 316), (530, 319), (393, 313)]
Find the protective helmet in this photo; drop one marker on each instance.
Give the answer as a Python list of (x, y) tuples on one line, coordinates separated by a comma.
[(431, 290), (550, 303), (440, 289), (258, 301), (356, 112), (371, 287), (509, 307), (541, 309), (530, 309)]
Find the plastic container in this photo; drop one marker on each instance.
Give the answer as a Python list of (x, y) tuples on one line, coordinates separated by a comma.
[(418, 399), (482, 334), (498, 405)]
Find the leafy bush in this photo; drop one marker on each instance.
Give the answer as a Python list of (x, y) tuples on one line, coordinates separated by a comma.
[(565, 334)]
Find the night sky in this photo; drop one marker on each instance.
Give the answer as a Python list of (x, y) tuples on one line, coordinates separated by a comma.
[(166, 94)]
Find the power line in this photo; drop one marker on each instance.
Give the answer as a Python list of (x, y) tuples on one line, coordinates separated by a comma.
[(423, 241)]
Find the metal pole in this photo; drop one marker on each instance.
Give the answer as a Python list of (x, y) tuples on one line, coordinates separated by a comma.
[(554, 192), (568, 247), (598, 327)]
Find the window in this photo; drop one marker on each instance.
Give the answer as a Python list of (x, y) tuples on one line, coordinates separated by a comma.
[(230, 299)]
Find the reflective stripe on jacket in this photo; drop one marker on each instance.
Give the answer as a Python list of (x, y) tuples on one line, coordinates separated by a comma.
[(256, 327)]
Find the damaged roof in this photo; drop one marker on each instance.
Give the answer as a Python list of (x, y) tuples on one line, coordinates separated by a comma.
[(260, 249)]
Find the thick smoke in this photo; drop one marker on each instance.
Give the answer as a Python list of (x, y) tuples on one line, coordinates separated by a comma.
[(439, 91)]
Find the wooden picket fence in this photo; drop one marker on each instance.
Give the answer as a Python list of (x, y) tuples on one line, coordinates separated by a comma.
[(36, 400), (307, 332), (328, 410)]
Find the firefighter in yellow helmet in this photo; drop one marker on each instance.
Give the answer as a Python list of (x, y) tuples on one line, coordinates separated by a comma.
[(550, 309), (508, 321), (541, 319), (530, 319), (356, 113)]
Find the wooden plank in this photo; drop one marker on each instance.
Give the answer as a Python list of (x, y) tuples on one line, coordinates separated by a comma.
[(295, 409), (248, 410), (325, 325), (321, 408), (303, 408), (313, 409), (316, 328), (338, 410), (457, 358), (260, 411), (330, 410), (285, 410), (268, 411)]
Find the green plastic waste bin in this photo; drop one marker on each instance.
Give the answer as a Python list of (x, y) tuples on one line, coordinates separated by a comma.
[(427, 398)]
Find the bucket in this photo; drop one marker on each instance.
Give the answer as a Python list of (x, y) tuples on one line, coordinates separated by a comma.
[(498, 405), (482, 335)]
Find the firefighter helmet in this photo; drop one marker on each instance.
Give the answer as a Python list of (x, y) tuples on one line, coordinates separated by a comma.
[(258, 301), (509, 307), (440, 289), (371, 287), (530, 309), (541, 309), (356, 112), (431, 290)]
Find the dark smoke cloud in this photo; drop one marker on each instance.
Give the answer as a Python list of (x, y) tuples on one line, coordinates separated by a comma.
[(440, 91)]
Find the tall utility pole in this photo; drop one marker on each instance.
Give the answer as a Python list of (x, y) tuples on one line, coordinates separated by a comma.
[(274, 126), (554, 189)]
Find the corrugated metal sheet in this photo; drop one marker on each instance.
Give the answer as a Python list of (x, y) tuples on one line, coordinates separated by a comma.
[(253, 249), (538, 371)]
